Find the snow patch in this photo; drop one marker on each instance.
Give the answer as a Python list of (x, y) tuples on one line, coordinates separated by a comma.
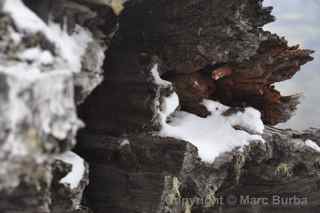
[(74, 177), (250, 119), (23, 17), (214, 134), (37, 55), (157, 79), (312, 145), (124, 142), (168, 106), (71, 47)]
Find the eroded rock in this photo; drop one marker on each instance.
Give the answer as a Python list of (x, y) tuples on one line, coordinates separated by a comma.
[(38, 116), (207, 49)]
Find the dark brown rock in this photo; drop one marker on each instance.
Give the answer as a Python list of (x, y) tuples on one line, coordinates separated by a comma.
[(251, 81), (213, 49)]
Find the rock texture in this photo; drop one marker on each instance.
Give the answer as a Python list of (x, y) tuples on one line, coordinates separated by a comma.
[(67, 196), (144, 173), (38, 118), (222, 54), (107, 62)]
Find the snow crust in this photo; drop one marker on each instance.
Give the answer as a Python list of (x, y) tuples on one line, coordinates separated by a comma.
[(312, 145), (212, 135), (74, 177)]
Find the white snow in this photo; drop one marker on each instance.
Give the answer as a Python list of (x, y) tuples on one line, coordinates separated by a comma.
[(69, 47), (312, 145), (72, 47), (74, 177), (23, 17), (168, 106), (250, 119), (51, 86), (212, 135), (124, 142), (37, 55), (21, 70), (53, 102), (157, 79)]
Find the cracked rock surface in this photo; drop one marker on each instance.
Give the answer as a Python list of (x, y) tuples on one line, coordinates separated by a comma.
[(100, 79)]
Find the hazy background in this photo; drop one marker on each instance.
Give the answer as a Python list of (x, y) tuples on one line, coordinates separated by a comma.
[(299, 22)]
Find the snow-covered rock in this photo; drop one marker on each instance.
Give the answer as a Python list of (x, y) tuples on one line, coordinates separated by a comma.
[(37, 98), (313, 145), (213, 135), (78, 52), (39, 63), (71, 176)]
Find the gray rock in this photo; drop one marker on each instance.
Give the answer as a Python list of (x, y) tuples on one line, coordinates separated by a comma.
[(131, 169), (38, 119), (66, 197)]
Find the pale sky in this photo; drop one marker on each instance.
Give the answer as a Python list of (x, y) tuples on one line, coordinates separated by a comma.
[(299, 22)]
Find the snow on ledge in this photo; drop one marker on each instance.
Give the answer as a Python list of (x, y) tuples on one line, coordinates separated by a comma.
[(250, 119), (74, 177), (212, 135), (312, 145)]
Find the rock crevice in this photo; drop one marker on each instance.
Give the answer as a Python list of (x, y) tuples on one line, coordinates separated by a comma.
[(120, 75)]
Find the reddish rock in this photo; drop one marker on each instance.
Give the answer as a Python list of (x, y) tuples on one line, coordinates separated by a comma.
[(249, 82), (221, 72), (192, 89), (252, 80)]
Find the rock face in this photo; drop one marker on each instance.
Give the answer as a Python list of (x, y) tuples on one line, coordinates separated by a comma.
[(117, 64), (144, 173), (251, 81), (40, 66), (69, 182)]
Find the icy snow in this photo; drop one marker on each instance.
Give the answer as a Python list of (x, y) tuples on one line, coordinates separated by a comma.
[(74, 177), (212, 135), (312, 145)]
